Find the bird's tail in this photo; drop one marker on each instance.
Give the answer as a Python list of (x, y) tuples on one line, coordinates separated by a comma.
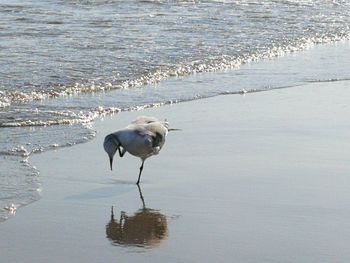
[(166, 124)]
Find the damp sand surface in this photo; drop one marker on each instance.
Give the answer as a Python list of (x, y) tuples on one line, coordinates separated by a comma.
[(261, 177), (72, 62)]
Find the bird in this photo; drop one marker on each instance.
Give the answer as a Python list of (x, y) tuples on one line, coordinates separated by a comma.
[(143, 138)]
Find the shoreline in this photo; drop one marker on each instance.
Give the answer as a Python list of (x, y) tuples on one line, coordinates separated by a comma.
[(321, 63), (254, 178)]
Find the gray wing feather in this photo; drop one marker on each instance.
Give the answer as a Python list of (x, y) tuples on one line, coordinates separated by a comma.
[(144, 120)]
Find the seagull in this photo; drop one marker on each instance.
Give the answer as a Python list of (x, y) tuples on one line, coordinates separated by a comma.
[(143, 138)]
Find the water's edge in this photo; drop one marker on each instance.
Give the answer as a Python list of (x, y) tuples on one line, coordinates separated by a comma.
[(248, 75)]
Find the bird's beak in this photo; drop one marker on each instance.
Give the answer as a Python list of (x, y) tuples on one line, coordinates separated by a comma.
[(111, 162)]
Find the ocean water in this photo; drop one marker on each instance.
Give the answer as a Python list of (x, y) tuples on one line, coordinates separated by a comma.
[(65, 63)]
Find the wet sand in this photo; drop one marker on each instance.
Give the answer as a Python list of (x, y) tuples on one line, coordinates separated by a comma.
[(257, 178)]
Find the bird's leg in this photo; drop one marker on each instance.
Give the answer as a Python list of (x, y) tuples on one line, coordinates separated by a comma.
[(141, 168), (141, 196)]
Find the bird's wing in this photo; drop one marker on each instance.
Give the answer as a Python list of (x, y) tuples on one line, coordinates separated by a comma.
[(157, 131), (150, 136), (137, 140), (144, 120)]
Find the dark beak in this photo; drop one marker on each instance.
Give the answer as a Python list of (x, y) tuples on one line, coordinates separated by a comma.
[(111, 162)]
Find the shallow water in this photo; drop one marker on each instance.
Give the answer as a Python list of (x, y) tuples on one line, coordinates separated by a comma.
[(269, 186), (65, 63)]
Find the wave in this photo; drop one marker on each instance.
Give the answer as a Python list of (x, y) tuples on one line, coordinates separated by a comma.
[(224, 62), (327, 80)]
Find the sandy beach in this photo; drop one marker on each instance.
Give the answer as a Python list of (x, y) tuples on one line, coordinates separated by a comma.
[(256, 178), (257, 170)]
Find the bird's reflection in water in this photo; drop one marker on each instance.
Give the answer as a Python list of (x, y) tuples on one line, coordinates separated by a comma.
[(146, 228)]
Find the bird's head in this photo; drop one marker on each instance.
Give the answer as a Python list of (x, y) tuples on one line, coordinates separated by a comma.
[(111, 145)]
